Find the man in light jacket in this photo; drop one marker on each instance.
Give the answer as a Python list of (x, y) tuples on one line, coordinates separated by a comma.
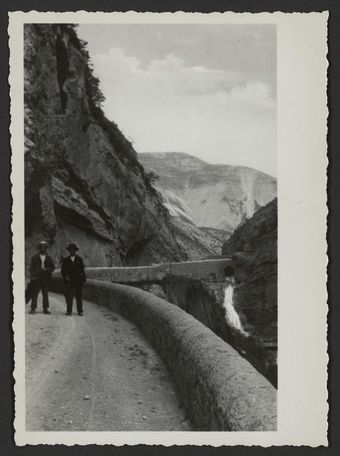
[(41, 268)]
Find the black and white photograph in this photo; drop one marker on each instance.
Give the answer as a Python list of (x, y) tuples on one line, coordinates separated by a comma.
[(150, 177)]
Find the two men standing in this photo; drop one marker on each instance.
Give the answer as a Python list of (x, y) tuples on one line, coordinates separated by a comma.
[(73, 272), (41, 268)]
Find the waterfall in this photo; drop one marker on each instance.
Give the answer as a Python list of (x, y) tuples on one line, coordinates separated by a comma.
[(248, 183), (231, 316)]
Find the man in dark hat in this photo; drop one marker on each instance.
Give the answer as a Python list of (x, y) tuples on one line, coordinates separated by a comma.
[(73, 272), (41, 268)]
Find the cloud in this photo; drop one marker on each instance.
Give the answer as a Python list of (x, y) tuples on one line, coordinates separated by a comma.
[(172, 75), (170, 105), (169, 63), (253, 92), (117, 61)]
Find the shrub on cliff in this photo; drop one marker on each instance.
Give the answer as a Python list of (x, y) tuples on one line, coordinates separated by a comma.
[(121, 144), (93, 91)]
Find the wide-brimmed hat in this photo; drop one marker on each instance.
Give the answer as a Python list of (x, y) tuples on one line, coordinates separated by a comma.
[(72, 246), (43, 243)]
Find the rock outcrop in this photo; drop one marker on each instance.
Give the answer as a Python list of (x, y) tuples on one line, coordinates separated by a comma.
[(253, 248), (83, 182), (198, 243), (213, 196)]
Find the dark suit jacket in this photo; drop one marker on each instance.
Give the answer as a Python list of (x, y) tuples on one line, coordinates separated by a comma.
[(36, 272), (73, 271)]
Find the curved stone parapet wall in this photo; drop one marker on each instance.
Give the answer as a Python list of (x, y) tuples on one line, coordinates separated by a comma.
[(220, 389), (204, 269)]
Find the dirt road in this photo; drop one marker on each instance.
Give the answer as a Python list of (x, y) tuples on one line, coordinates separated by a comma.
[(95, 373)]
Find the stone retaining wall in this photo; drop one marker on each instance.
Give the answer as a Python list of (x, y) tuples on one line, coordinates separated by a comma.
[(203, 269), (220, 389)]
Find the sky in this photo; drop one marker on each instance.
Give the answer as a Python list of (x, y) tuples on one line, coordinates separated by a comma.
[(207, 90)]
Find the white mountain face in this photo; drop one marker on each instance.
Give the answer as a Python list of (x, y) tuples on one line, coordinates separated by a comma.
[(214, 196)]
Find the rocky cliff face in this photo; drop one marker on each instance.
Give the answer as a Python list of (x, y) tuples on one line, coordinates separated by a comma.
[(198, 243), (204, 300), (253, 247), (215, 196), (83, 182)]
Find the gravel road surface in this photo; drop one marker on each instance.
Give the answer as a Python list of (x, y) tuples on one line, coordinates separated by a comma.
[(95, 373)]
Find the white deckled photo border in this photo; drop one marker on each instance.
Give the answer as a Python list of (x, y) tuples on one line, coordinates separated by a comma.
[(302, 201)]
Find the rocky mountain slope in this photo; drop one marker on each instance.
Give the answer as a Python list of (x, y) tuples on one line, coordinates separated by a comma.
[(83, 182), (215, 196), (253, 247), (198, 243)]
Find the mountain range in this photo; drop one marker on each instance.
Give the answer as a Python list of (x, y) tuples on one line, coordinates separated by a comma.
[(208, 195)]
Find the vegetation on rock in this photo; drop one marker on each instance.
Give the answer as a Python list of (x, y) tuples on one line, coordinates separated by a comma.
[(83, 182)]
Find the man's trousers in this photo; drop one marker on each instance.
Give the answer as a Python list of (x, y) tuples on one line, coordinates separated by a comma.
[(40, 284), (74, 291)]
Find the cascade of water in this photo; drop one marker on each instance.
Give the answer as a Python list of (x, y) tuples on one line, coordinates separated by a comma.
[(248, 185), (231, 315)]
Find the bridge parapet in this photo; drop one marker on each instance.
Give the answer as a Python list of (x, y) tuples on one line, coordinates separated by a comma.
[(220, 389), (212, 269)]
